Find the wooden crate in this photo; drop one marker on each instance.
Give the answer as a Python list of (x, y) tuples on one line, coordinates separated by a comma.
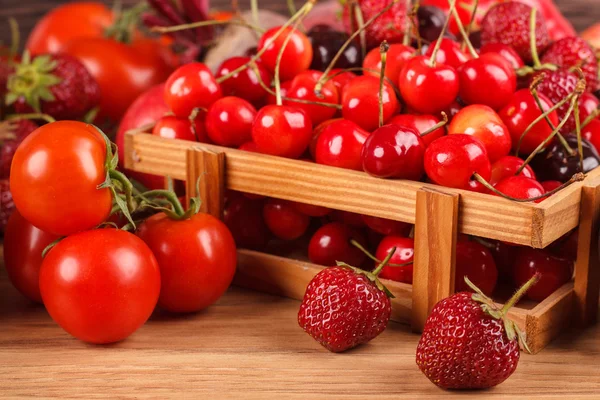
[(438, 213)]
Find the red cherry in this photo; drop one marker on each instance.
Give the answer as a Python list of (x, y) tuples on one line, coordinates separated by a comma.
[(303, 88), (420, 123), (504, 50), (341, 79), (229, 121), (394, 151), (449, 53), (360, 102), (249, 146), (476, 262), (340, 145), (452, 160), (171, 127), (451, 110), (348, 218), (312, 147), (311, 210), (296, 57), (591, 132), (588, 103), (283, 220), (331, 243), (508, 166), (282, 131), (566, 246), (521, 111), (386, 226), (285, 87), (488, 80), (550, 185), (244, 219), (397, 55), (554, 272), (521, 187), (483, 123), (191, 86), (428, 89), (245, 84), (504, 256), (405, 250)]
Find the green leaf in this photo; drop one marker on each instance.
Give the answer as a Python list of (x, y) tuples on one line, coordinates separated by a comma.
[(122, 205), (11, 98)]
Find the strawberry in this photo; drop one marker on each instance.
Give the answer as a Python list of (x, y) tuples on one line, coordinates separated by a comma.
[(6, 204), (468, 343), (574, 51), (508, 23), (556, 86), (389, 26), (344, 306), (58, 85), (12, 133)]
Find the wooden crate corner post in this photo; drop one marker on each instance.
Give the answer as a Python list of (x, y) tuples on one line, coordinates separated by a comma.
[(206, 178), (436, 228)]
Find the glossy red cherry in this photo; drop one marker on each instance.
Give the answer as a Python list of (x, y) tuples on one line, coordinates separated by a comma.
[(285, 87), (554, 272), (484, 124), (282, 131), (508, 166), (360, 102), (386, 226), (476, 262), (550, 185), (520, 112), (249, 146), (303, 87), (397, 55), (229, 121), (331, 243), (488, 80), (504, 50), (394, 151), (171, 127), (405, 251), (244, 219), (191, 86), (452, 160), (244, 84), (296, 57), (283, 220), (591, 132), (311, 210), (340, 145), (341, 78), (420, 123), (449, 53), (521, 187), (312, 147), (428, 89), (588, 103)]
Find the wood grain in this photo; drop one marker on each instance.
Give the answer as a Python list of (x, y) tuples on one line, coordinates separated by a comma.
[(206, 169)]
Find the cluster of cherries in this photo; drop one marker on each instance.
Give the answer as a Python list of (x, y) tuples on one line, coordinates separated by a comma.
[(426, 109)]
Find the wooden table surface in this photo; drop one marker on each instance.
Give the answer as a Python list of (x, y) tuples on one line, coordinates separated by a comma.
[(249, 346)]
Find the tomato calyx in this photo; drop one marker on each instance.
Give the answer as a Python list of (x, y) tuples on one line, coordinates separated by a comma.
[(126, 22)]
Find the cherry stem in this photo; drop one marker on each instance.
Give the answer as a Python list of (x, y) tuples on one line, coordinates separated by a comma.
[(575, 178), (305, 9), (383, 49), (291, 7), (334, 60), (471, 22), (192, 119), (45, 117), (15, 39), (360, 20), (463, 33), (590, 118), (440, 124), (560, 137), (578, 132), (361, 69), (385, 261), (532, 39), (409, 23), (254, 10), (372, 257), (438, 43), (519, 293), (199, 24)]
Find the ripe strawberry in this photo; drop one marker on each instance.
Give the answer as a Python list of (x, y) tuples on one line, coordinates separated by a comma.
[(344, 306), (6, 204), (12, 133), (574, 51), (468, 343), (389, 26), (508, 23), (556, 86), (58, 85)]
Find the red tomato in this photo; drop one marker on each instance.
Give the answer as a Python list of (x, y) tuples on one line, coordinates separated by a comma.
[(197, 259), (55, 176), (23, 247), (100, 285)]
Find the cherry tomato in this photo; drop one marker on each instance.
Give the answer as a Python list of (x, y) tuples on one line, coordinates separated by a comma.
[(196, 256), (55, 176), (100, 285)]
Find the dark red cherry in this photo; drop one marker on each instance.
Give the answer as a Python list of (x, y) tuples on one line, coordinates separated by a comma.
[(303, 88), (296, 58), (428, 89), (229, 121), (554, 163), (341, 79), (283, 220), (340, 145), (386, 226), (311, 210), (508, 166), (484, 124), (397, 55), (348, 218), (360, 102), (488, 80), (452, 160), (326, 43), (394, 151), (521, 187), (431, 21), (405, 251), (421, 123), (282, 131), (520, 112), (476, 262), (450, 53), (172, 127), (504, 256), (244, 219), (566, 246), (245, 84), (554, 272), (331, 243), (505, 51)]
